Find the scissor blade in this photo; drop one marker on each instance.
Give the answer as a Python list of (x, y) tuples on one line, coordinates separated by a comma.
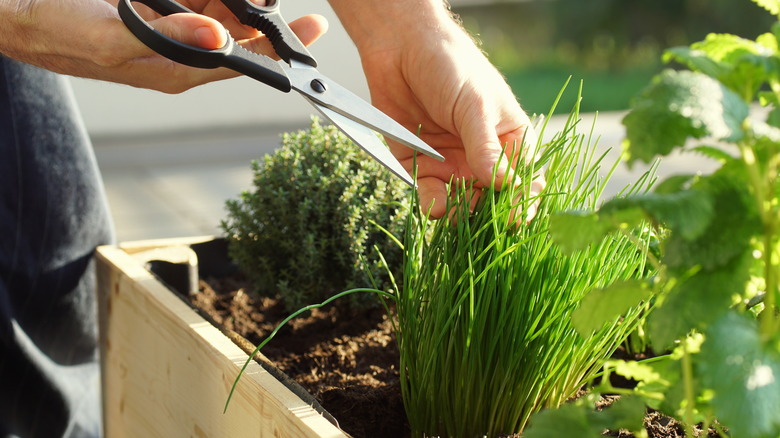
[(325, 92), (366, 139)]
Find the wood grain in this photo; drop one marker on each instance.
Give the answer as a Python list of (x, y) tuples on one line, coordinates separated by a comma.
[(167, 372)]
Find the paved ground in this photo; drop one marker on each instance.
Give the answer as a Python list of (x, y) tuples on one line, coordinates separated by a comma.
[(175, 185)]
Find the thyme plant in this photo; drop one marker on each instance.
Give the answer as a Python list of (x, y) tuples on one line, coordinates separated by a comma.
[(317, 220), (485, 313)]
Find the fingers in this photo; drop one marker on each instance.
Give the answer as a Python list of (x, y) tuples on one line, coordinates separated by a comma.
[(488, 152), (192, 29), (207, 33), (536, 188), (125, 59), (308, 28), (433, 194)]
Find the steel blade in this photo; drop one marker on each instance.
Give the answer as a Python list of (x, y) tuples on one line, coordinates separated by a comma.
[(367, 140), (327, 93)]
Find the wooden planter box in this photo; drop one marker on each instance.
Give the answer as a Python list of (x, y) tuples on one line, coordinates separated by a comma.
[(167, 371)]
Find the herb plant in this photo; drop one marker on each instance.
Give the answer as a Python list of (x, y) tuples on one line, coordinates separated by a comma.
[(484, 315), (314, 223), (718, 263)]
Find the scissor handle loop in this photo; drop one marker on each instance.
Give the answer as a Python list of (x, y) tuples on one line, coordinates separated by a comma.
[(231, 55), (268, 19)]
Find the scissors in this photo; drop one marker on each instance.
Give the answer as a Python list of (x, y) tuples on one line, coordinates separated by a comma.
[(297, 71)]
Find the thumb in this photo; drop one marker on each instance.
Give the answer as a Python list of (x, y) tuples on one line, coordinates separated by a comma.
[(192, 29)]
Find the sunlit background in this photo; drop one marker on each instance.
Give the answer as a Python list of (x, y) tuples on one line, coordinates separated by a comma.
[(170, 162), (613, 46)]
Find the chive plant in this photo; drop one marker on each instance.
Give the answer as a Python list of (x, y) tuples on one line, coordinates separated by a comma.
[(485, 313)]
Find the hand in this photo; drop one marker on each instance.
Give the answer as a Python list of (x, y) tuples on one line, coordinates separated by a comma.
[(428, 72), (86, 38)]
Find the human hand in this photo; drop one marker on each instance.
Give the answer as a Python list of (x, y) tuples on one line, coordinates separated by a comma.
[(429, 73), (86, 38)]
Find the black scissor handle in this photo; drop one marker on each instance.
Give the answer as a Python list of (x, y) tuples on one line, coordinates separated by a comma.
[(268, 19), (231, 55)]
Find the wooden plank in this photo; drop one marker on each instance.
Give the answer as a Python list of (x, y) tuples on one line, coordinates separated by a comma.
[(146, 245), (167, 371)]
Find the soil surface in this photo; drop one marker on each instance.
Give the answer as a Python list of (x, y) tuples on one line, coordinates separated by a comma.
[(348, 360)]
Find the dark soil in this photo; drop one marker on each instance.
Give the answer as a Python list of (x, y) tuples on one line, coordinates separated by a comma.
[(348, 360)]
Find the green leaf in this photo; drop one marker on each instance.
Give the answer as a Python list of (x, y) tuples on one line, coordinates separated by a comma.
[(639, 371), (574, 231), (605, 305), (584, 422), (731, 224), (744, 373), (773, 119), (696, 60), (715, 153), (697, 301), (674, 183), (741, 64), (687, 212), (678, 106), (773, 6), (731, 49)]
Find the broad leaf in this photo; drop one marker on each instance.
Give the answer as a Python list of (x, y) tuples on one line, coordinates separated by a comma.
[(602, 306), (678, 106), (674, 183), (773, 6), (773, 119), (581, 420), (575, 231), (744, 373), (741, 64), (733, 223), (697, 301), (714, 153), (687, 212), (696, 60)]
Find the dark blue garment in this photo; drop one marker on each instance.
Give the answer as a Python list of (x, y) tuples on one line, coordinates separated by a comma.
[(53, 214)]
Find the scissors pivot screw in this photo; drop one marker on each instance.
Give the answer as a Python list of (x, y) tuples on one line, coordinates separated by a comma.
[(318, 86)]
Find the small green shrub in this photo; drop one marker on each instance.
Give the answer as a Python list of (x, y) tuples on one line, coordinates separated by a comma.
[(310, 226)]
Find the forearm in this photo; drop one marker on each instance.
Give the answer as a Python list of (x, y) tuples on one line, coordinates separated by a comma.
[(381, 24)]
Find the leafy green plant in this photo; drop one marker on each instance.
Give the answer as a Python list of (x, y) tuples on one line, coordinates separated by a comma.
[(485, 313), (314, 223), (718, 265), (484, 318)]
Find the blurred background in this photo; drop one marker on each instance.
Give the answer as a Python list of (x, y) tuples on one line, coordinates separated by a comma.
[(170, 161), (613, 46)]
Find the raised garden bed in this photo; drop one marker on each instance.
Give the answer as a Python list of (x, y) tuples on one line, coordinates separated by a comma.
[(167, 371)]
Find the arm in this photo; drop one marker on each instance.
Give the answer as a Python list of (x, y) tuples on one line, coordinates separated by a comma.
[(86, 38), (424, 69)]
